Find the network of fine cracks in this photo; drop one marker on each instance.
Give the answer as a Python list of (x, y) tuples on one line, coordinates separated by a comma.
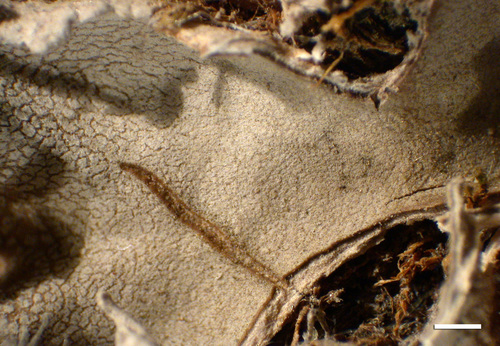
[(400, 299)]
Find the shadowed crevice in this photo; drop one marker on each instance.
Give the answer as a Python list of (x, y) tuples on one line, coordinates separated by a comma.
[(34, 246), (482, 116), (380, 297)]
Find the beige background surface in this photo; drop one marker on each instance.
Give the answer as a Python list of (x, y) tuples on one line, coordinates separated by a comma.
[(285, 167)]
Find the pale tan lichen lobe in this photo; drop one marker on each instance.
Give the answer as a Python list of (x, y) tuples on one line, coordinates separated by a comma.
[(211, 233)]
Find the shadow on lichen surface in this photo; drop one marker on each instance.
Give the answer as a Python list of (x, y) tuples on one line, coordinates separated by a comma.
[(160, 104), (34, 246), (482, 115)]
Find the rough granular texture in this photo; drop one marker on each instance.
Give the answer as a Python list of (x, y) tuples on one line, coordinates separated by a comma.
[(289, 170)]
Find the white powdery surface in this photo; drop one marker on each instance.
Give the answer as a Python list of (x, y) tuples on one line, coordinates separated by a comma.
[(40, 26)]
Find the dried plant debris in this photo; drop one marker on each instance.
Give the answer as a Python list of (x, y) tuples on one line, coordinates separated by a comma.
[(381, 297), (476, 195), (363, 46), (468, 295)]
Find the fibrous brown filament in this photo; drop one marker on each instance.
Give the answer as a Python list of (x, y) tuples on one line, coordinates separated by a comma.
[(336, 23), (210, 232)]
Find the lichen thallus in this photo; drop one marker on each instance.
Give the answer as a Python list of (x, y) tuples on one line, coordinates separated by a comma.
[(223, 244), (211, 233), (307, 311)]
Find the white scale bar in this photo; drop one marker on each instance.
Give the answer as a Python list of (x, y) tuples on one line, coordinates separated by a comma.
[(457, 326)]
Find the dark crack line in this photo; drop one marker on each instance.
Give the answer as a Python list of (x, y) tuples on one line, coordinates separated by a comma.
[(415, 192)]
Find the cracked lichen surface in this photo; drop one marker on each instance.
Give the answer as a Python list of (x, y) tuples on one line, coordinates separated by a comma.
[(286, 168)]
